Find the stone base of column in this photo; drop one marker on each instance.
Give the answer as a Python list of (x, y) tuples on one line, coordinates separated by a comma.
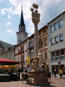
[(38, 78)]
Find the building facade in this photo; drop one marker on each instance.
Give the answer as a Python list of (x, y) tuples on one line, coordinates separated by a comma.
[(8, 54), (19, 54), (43, 45), (56, 42), (6, 50), (27, 46)]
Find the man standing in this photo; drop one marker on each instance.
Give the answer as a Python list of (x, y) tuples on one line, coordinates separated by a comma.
[(55, 72)]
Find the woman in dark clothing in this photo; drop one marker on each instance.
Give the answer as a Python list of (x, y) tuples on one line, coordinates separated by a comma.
[(49, 76)]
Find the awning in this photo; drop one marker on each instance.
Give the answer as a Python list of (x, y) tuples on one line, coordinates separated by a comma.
[(7, 61)]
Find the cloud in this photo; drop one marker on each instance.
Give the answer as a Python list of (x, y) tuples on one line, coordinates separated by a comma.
[(13, 2), (2, 11), (8, 24), (5, 11), (47, 8), (9, 16), (10, 31), (30, 29)]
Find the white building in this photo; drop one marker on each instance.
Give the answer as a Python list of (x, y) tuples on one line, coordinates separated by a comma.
[(56, 42)]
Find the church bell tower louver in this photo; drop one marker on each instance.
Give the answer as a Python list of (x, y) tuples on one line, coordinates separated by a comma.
[(21, 34)]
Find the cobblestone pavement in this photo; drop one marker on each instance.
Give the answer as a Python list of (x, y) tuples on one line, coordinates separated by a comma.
[(15, 84), (55, 83), (58, 82)]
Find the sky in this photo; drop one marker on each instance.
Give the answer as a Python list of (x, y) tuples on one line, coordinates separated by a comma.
[(10, 11)]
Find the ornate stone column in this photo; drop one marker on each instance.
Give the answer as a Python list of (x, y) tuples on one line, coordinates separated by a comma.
[(36, 77), (35, 20)]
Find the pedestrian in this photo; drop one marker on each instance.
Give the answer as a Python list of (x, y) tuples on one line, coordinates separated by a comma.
[(60, 73), (49, 76), (55, 72), (25, 75), (21, 72)]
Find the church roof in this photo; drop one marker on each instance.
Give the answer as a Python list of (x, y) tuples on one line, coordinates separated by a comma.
[(22, 19)]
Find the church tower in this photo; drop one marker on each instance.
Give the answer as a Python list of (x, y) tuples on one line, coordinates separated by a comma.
[(21, 34)]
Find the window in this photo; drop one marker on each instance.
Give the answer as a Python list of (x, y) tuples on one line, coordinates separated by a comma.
[(51, 28), (22, 49), (56, 39), (45, 54), (61, 37), (19, 41), (31, 54), (52, 41), (44, 31), (60, 23), (22, 59), (11, 53), (57, 53), (45, 42), (40, 43), (39, 34), (16, 50), (53, 54), (62, 52), (55, 26)]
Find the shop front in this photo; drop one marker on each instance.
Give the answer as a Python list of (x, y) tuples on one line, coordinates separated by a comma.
[(57, 67)]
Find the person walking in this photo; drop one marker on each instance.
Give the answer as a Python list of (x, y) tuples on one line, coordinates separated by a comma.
[(60, 73), (55, 72), (49, 76)]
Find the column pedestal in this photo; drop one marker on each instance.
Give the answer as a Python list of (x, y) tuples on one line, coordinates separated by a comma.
[(38, 78)]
